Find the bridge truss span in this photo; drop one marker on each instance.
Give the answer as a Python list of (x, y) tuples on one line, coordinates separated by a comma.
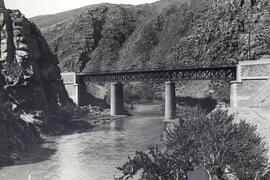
[(75, 83), (192, 73)]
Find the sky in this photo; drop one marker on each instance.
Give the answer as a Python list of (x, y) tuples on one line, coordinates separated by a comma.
[(32, 8)]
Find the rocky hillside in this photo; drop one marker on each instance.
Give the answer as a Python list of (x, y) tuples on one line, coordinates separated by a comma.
[(30, 84), (167, 33)]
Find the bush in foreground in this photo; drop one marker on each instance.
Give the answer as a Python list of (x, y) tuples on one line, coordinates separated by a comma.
[(213, 141)]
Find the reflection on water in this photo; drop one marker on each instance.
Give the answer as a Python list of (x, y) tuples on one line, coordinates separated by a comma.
[(94, 155)]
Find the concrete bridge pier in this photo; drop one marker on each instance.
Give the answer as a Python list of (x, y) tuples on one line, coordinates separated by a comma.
[(170, 101), (117, 99)]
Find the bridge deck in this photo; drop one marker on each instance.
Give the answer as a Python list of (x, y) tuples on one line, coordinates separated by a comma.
[(222, 72)]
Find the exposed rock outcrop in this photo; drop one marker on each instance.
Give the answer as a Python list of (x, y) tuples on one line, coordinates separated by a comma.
[(30, 83), (163, 34), (29, 70)]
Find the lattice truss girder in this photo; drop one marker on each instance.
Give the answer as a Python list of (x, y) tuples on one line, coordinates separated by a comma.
[(224, 73)]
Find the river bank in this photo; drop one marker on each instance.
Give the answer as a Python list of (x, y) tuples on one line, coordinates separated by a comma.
[(92, 153), (84, 119)]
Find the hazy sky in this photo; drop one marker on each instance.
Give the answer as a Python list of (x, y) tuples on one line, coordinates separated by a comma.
[(32, 8)]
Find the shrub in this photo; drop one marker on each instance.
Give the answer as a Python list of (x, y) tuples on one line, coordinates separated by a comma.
[(211, 141)]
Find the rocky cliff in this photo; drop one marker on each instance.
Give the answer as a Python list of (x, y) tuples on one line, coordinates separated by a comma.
[(163, 34), (30, 84)]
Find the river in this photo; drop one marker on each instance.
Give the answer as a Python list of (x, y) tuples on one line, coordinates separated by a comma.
[(94, 154)]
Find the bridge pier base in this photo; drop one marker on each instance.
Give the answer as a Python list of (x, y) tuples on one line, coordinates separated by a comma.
[(117, 99), (170, 101)]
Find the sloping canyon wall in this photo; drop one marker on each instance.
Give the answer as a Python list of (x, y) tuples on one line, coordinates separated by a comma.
[(30, 84)]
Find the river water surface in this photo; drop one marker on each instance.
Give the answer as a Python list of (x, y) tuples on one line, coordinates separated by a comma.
[(94, 154)]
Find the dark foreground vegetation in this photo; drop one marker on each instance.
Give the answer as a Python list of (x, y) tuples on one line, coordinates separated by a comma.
[(200, 140)]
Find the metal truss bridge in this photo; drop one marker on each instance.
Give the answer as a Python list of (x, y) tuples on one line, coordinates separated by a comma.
[(217, 72)]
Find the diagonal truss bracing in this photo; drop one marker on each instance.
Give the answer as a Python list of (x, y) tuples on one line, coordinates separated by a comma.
[(186, 73)]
